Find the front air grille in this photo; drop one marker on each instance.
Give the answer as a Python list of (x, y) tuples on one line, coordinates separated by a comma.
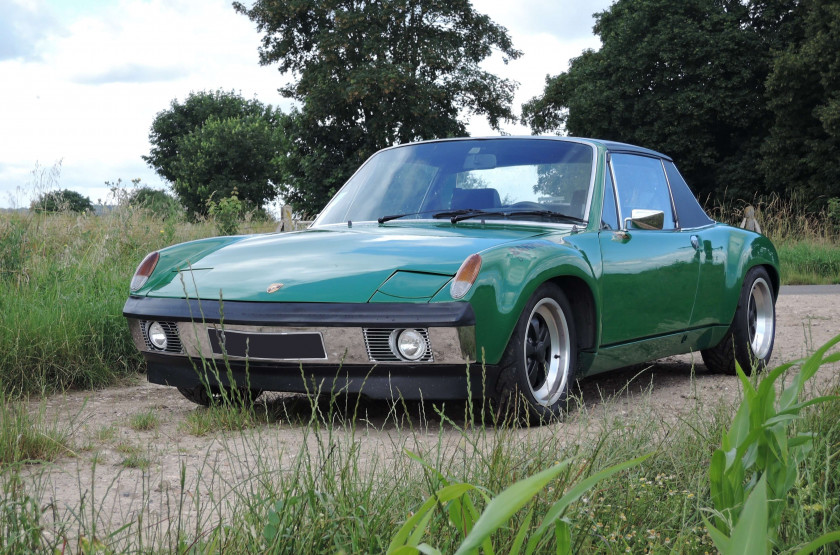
[(173, 340), (380, 349)]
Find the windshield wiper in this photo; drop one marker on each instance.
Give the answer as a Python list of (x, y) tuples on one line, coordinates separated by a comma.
[(383, 219), (458, 215), (545, 213)]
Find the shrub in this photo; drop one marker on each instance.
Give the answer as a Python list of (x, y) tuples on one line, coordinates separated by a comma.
[(61, 201), (155, 201), (227, 213)]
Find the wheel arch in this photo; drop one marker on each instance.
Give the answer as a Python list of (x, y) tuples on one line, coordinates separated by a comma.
[(511, 275), (775, 278), (582, 301)]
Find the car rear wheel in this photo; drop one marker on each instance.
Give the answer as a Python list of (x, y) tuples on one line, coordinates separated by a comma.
[(200, 395), (752, 332), (539, 363)]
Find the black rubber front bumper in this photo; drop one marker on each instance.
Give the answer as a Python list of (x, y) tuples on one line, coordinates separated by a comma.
[(301, 314), (432, 382)]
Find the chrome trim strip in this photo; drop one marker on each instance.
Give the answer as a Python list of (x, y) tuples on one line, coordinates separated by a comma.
[(674, 212)]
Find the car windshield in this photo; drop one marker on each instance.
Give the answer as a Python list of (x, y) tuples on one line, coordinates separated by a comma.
[(531, 179)]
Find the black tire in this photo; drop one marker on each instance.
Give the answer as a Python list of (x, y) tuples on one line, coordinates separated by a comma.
[(201, 396), (545, 332), (750, 337)]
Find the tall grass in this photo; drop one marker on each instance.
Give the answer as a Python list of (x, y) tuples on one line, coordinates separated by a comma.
[(29, 437), (347, 484), (63, 282), (808, 240)]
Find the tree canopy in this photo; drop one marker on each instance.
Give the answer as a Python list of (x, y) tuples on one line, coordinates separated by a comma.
[(802, 152), (743, 94), (673, 76), (372, 74), (63, 200), (214, 142)]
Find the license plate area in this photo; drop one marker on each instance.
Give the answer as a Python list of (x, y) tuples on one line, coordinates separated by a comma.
[(269, 346)]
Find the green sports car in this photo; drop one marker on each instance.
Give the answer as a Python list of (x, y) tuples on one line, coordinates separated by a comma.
[(505, 267)]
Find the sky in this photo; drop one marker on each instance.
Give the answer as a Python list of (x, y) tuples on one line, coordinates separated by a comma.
[(82, 80)]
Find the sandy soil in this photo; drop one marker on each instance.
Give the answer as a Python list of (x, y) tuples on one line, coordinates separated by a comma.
[(96, 484)]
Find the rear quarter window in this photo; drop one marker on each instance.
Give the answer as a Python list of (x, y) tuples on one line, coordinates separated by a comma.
[(689, 212)]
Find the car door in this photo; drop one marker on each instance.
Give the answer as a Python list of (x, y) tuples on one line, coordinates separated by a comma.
[(714, 245), (649, 276)]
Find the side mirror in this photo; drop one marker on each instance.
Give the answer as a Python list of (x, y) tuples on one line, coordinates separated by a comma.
[(645, 219)]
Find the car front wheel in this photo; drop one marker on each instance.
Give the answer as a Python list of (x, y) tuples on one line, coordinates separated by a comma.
[(749, 339), (539, 363)]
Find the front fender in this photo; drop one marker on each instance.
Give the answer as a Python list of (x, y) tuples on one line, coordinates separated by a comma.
[(509, 276), (184, 256)]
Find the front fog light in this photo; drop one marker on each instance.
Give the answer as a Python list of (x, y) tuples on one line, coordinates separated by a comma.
[(157, 337), (411, 344)]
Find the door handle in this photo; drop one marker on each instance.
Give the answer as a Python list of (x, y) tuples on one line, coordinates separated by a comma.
[(695, 242)]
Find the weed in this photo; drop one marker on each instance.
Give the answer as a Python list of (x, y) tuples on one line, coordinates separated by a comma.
[(223, 417), (24, 437), (144, 421), (106, 433), (757, 464), (226, 213), (136, 460)]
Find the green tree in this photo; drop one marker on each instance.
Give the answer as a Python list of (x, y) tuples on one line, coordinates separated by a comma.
[(682, 77), (155, 201), (240, 153), (802, 153), (215, 142), (373, 74), (61, 201)]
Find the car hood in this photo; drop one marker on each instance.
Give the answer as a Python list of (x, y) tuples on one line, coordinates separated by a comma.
[(337, 264)]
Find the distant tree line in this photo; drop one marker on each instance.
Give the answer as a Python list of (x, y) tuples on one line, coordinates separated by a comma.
[(744, 94)]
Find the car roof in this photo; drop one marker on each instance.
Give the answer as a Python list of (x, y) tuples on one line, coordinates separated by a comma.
[(615, 146), (612, 146)]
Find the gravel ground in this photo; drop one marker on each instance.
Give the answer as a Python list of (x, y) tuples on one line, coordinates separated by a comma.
[(96, 476)]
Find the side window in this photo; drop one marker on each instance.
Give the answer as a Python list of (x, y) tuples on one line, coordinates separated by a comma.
[(689, 211), (609, 218), (640, 182)]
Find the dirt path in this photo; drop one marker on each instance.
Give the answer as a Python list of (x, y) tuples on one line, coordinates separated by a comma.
[(97, 480)]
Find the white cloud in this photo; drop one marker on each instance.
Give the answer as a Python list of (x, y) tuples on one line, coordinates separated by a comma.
[(566, 19), (91, 97), (24, 26), (94, 75)]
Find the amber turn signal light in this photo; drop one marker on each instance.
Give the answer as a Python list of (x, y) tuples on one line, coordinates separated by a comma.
[(144, 270), (465, 277)]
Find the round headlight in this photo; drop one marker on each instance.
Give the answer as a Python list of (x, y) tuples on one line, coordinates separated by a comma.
[(411, 344), (157, 336)]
